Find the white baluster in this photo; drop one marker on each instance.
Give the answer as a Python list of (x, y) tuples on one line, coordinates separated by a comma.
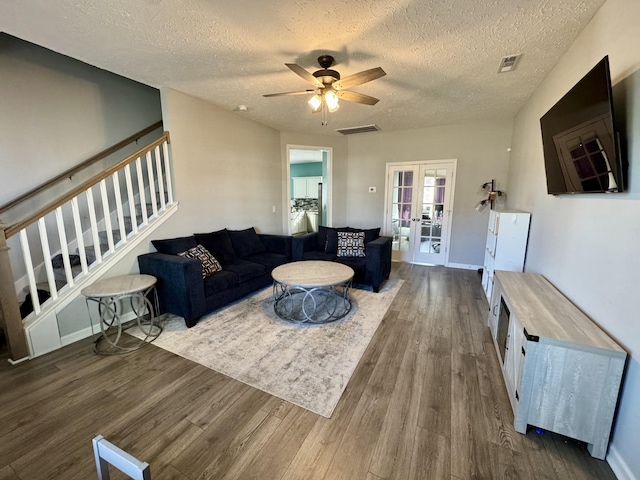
[(132, 205), (28, 263), (79, 238), (107, 214), (94, 226), (48, 265), (142, 196), (160, 181), (167, 172), (152, 185), (116, 190), (64, 247)]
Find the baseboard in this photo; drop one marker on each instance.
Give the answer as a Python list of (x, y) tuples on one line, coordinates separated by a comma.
[(77, 336), (16, 362), (464, 266), (618, 465), (88, 331)]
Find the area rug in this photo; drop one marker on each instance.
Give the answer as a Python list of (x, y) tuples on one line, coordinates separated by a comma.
[(308, 365)]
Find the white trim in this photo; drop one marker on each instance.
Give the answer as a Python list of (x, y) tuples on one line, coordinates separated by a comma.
[(16, 362), (619, 466), (464, 266)]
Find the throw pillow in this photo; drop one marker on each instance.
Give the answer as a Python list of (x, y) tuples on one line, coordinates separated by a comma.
[(173, 246), (350, 244), (246, 242), (209, 263), (219, 245), (331, 244)]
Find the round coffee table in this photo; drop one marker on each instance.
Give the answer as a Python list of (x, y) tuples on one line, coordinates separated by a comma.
[(312, 291)]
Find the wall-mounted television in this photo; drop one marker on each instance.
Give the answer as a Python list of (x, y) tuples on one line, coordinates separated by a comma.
[(580, 141)]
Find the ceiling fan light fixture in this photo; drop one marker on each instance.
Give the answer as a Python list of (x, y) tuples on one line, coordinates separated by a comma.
[(315, 102), (331, 99)]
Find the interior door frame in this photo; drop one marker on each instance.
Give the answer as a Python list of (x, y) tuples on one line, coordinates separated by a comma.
[(385, 219), (326, 186)]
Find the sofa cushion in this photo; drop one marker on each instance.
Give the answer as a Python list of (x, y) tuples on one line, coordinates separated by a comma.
[(315, 255), (350, 244), (246, 242), (268, 259), (331, 244), (245, 270), (219, 281), (209, 263), (359, 265), (321, 237), (219, 244), (174, 246)]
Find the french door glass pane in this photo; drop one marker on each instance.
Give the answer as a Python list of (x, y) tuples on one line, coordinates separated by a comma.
[(401, 206), (434, 185)]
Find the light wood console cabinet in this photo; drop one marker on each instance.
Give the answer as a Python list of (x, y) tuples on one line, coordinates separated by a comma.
[(562, 372)]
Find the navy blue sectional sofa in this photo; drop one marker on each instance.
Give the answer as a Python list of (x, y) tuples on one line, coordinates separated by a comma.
[(193, 281), (364, 250)]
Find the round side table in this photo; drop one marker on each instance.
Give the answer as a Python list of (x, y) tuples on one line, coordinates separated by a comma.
[(111, 294)]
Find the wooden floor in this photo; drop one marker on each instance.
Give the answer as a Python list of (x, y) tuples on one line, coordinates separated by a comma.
[(427, 401)]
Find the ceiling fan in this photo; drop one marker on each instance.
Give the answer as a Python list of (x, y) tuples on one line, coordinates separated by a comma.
[(329, 87)]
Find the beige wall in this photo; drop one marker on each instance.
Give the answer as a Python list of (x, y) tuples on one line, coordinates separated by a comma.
[(56, 112), (586, 245), (481, 152), (227, 169), (339, 176)]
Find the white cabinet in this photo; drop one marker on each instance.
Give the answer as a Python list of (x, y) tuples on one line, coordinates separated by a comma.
[(312, 221), (562, 372), (506, 244), (298, 222), (306, 187)]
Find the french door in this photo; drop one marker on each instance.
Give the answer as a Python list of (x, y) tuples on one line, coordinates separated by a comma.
[(418, 210)]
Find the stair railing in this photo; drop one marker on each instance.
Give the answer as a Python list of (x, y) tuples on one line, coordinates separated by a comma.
[(119, 186)]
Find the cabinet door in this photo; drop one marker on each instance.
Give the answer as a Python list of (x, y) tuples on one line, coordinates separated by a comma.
[(494, 308), (514, 360), (299, 187), (312, 186)]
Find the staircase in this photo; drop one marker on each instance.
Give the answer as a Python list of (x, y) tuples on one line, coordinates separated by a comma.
[(70, 242)]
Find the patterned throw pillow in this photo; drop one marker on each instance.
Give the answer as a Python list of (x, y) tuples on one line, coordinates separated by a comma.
[(209, 263), (350, 244)]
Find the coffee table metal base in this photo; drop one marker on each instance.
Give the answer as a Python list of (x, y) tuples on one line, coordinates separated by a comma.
[(315, 305)]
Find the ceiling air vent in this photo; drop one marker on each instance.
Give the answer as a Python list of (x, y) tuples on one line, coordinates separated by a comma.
[(362, 129), (508, 63)]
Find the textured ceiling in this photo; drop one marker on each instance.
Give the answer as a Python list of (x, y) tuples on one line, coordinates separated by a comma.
[(441, 56)]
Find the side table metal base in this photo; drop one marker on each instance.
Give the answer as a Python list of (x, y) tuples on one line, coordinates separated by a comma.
[(112, 326)]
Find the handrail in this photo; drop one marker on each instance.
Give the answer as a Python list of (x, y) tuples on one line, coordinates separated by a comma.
[(72, 171), (16, 227)]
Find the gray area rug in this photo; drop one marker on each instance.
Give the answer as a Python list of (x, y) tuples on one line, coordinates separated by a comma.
[(308, 365)]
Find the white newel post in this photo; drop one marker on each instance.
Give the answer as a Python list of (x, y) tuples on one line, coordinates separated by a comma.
[(9, 307)]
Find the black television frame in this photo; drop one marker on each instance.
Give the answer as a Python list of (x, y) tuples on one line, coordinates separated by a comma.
[(586, 106)]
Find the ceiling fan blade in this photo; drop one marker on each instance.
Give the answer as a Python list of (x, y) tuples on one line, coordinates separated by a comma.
[(356, 97), (298, 70), (286, 94), (359, 78)]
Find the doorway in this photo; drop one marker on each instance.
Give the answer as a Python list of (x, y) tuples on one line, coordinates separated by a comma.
[(308, 198), (418, 210)]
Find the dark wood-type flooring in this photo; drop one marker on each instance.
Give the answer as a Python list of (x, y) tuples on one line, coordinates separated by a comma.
[(427, 401)]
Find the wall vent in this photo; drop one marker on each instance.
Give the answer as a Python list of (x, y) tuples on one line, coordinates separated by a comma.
[(508, 63), (362, 129)]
